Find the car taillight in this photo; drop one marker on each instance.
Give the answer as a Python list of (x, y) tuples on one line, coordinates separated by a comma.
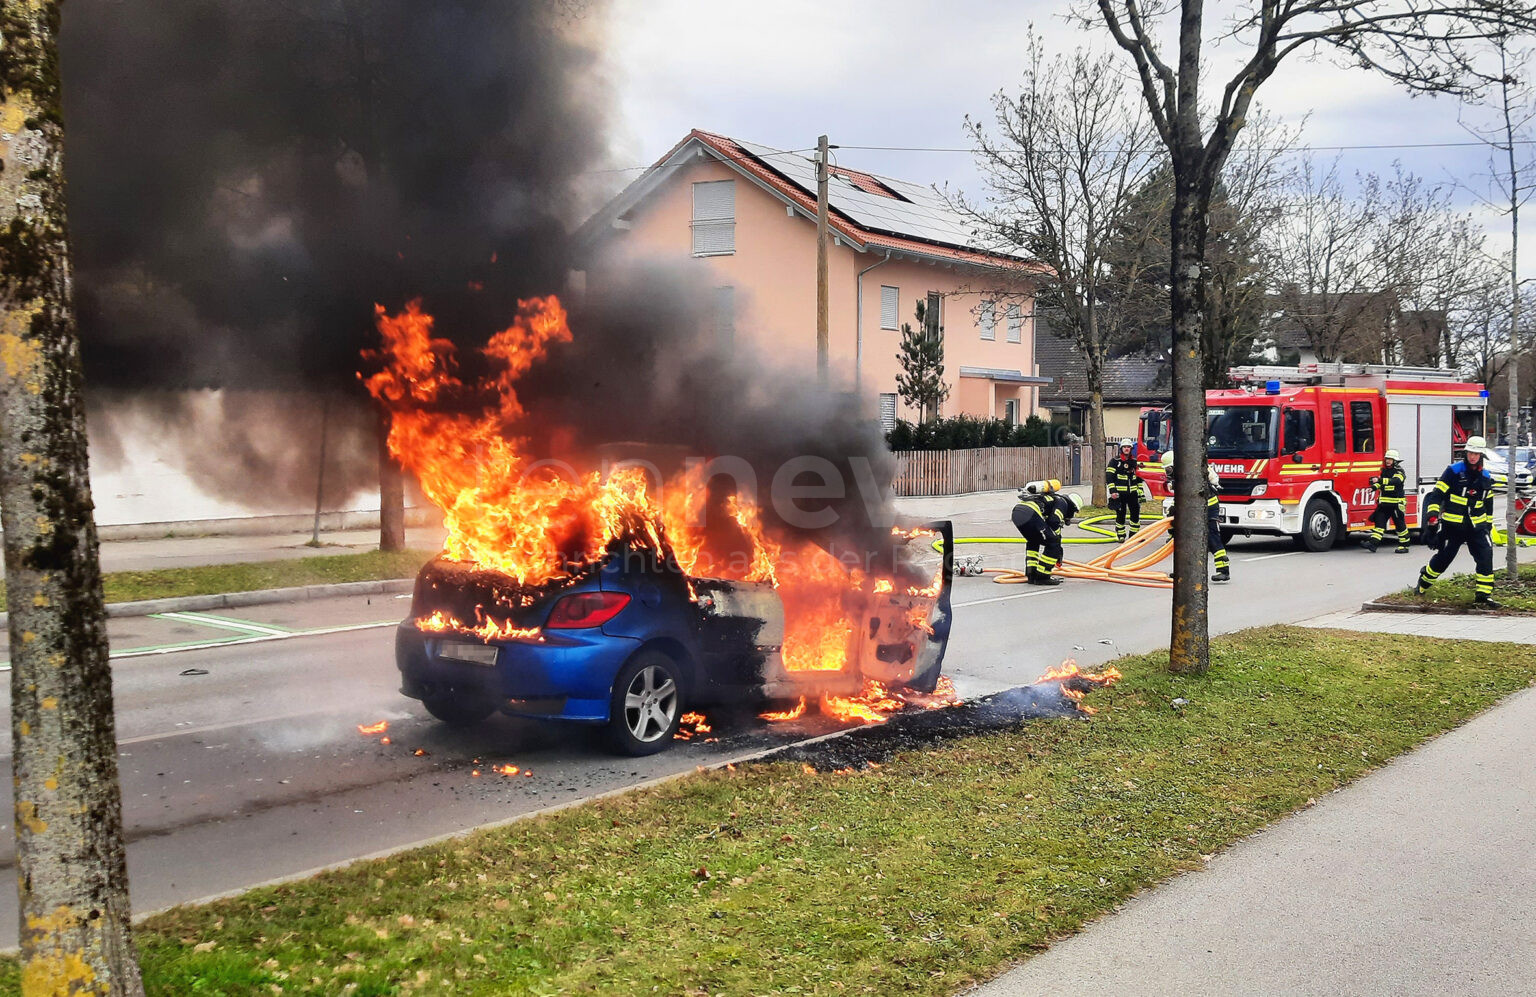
[(585, 609)]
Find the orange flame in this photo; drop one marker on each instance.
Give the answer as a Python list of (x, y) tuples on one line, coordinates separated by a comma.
[(440, 622), (370, 729), (506, 769), (1075, 682), (511, 514), (794, 713)]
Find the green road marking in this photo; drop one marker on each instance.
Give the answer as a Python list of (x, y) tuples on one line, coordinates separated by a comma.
[(246, 624), (220, 622)]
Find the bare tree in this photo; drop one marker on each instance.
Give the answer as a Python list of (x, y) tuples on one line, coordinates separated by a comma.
[(72, 873), (1348, 266), (1061, 162), (1423, 44), (1248, 202), (1511, 188)]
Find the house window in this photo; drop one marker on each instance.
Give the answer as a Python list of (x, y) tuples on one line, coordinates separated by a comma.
[(888, 412), (725, 317), (1011, 411), (988, 320), (714, 218), (1015, 324), (889, 298)]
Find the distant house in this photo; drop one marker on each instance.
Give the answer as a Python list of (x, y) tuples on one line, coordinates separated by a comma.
[(744, 216), (1355, 327), (1130, 383)]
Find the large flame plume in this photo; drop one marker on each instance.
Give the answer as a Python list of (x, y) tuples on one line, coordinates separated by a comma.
[(506, 512)]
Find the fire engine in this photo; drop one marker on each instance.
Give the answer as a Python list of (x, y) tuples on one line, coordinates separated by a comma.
[(1295, 448)]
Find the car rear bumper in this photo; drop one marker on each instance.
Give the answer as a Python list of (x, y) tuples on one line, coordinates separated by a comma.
[(569, 677)]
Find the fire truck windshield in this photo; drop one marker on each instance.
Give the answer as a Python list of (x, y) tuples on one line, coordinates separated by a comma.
[(1241, 431)]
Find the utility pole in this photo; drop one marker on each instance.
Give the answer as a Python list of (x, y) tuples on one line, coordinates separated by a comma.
[(1511, 517), (822, 322)]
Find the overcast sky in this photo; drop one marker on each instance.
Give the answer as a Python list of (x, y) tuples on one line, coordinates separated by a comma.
[(906, 72)]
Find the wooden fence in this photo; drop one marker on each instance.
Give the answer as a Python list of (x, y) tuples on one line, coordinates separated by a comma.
[(952, 472)]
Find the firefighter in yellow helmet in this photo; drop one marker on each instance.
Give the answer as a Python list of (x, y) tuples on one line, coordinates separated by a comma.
[(1124, 490), (1391, 503), (1459, 510), (1212, 517)]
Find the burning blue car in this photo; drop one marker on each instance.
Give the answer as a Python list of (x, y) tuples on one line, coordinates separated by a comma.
[(632, 643)]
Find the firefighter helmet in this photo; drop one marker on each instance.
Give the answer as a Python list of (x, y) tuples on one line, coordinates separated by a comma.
[(1126, 444), (1394, 456), (1478, 445), (1167, 460), (1077, 502)]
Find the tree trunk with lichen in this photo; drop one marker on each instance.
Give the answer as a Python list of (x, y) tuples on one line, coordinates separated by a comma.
[(72, 872)]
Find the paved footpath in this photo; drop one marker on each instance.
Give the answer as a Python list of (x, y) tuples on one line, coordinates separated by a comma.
[(1419, 879)]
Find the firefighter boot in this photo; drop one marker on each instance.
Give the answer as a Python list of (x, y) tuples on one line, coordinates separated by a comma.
[(1370, 543), (1485, 601), (1222, 575), (1402, 548)]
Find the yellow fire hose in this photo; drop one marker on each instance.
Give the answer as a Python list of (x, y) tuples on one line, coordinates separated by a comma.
[(1102, 568)]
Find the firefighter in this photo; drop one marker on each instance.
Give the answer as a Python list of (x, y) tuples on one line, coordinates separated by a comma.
[(1124, 491), (1212, 518), (1457, 511), (1391, 503), (1040, 518)]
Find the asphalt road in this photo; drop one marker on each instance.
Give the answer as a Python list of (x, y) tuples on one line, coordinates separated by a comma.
[(241, 760)]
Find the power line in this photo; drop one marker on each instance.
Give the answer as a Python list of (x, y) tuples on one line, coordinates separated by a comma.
[(1377, 147)]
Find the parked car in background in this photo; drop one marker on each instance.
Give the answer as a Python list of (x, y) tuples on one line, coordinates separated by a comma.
[(1525, 466)]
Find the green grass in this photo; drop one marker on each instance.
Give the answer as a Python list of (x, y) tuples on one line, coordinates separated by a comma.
[(1457, 591), (209, 579), (919, 877)]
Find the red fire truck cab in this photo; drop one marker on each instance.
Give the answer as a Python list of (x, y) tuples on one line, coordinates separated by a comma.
[(1295, 447)]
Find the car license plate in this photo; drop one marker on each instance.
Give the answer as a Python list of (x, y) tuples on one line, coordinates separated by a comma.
[(475, 654)]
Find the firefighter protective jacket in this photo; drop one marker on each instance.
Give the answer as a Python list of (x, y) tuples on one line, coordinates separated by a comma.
[(1121, 476), (1464, 497), (1393, 489), (1052, 509)]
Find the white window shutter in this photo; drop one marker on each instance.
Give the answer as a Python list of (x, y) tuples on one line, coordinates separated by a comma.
[(714, 218), (988, 320), (889, 302), (887, 412), (1015, 324)]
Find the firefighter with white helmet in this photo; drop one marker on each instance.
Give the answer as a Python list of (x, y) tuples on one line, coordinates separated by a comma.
[(1459, 510), (1212, 518), (1391, 503), (1040, 517), (1124, 490)]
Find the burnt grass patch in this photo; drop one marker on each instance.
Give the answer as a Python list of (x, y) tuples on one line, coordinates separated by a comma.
[(917, 729)]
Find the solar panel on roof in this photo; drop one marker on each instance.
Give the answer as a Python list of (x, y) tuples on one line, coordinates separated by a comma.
[(923, 217)]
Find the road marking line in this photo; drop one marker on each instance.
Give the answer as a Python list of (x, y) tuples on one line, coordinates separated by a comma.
[(218, 623), (249, 624), (235, 639), (1266, 557), (1000, 598)]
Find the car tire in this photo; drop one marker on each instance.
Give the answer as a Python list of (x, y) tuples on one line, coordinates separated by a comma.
[(1319, 526), (645, 705), (459, 711)]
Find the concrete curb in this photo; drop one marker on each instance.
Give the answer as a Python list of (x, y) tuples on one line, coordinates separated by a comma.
[(1436, 610), (260, 597)]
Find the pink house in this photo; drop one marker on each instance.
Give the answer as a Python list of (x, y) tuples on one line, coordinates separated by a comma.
[(745, 215)]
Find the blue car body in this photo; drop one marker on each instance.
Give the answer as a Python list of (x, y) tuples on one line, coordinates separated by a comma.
[(723, 635)]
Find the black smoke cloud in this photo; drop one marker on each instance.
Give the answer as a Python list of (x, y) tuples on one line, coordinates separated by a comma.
[(248, 177)]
